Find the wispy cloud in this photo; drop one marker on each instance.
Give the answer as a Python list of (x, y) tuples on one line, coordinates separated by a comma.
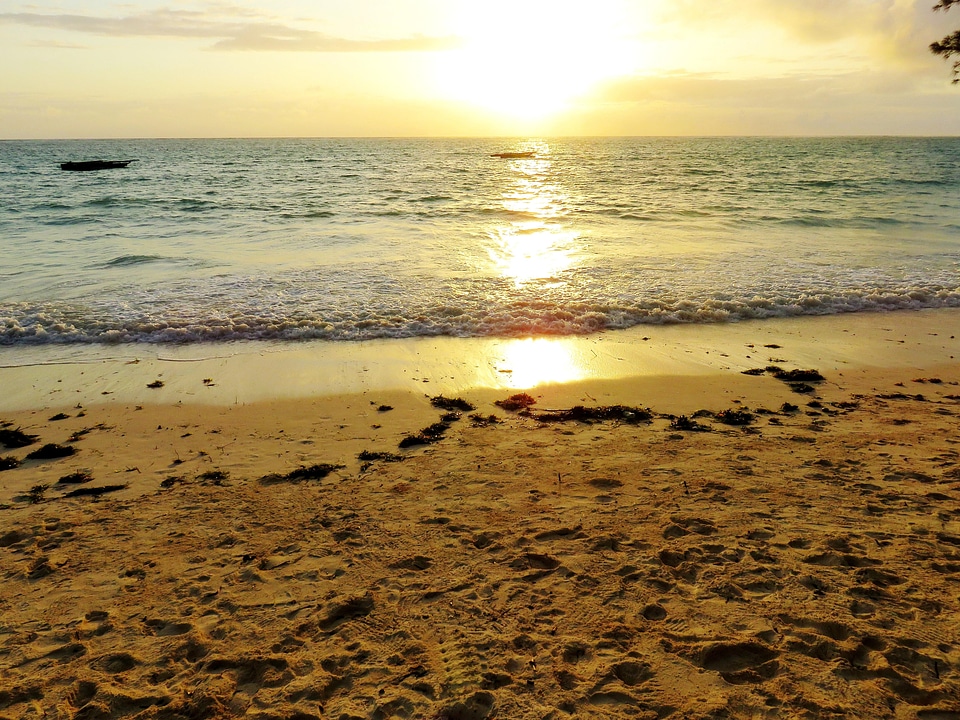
[(817, 22), (227, 34)]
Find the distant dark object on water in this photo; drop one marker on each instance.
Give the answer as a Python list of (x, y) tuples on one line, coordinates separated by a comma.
[(84, 165), (526, 154)]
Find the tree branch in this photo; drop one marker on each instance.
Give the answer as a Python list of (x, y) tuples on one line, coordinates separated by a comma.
[(950, 45)]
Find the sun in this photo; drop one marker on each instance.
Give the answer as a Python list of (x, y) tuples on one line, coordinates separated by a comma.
[(529, 59)]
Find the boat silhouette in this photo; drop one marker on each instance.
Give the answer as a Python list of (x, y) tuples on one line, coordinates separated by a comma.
[(86, 165)]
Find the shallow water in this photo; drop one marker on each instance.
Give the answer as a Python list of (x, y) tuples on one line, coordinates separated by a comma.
[(351, 239)]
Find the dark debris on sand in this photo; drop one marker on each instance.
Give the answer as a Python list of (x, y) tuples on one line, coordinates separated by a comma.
[(685, 423), (368, 458), (430, 434), (75, 478), (579, 413), (901, 396), (8, 462), (787, 376), (95, 491), (520, 401), (313, 472), (791, 376), (36, 494), (79, 434), (16, 438), (51, 451), (735, 417), (217, 477), (445, 403)]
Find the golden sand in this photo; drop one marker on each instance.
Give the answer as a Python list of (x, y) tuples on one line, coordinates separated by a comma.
[(804, 563)]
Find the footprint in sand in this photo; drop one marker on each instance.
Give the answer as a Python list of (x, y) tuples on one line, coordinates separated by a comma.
[(739, 663), (654, 612), (116, 663), (165, 628), (478, 706)]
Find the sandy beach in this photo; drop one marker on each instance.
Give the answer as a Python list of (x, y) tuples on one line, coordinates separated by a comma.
[(756, 520)]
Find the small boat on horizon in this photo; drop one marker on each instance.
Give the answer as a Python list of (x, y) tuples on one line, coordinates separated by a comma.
[(87, 165), (523, 154)]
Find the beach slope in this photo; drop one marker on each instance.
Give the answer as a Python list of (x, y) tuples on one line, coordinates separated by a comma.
[(705, 545)]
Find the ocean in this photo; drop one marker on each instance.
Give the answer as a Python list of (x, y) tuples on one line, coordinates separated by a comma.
[(352, 239)]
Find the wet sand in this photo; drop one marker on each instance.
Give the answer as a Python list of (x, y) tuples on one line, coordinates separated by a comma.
[(250, 540)]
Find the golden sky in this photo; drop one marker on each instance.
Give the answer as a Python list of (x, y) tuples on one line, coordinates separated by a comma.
[(248, 68)]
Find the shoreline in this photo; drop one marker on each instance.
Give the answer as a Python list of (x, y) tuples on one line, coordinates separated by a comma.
[(58, 376), (277, 553)]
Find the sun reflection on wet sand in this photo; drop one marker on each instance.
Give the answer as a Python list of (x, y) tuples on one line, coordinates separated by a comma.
[(530, 362), (535, 246)]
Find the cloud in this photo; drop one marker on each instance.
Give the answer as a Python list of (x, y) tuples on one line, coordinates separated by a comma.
[(57, 45), (816, 22), (257, 35), (791, 91), (852, 103)]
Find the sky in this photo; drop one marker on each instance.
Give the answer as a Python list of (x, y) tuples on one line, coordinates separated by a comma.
[(389, 68)]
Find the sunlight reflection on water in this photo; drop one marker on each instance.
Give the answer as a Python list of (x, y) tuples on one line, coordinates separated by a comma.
[(536, 245)]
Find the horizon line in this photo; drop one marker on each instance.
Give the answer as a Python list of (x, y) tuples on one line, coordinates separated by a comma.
[(528, 137)]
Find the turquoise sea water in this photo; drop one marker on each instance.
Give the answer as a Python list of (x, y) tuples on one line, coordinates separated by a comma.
[(351, 239)]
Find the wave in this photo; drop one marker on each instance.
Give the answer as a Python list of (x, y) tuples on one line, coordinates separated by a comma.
[(127, 260), (24, 324), (308, 214)]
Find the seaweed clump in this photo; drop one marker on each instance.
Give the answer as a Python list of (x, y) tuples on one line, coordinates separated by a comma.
[(368, 458), (313, 472), (95, 491), (430, 434), (217, 477), (36, 494), (8, 462), (579, 413), (16, 438), (51, 451), (520, 401), (75, 478), (445, 403), (798, 375), (797, 379), (735, 417), (685, 423)]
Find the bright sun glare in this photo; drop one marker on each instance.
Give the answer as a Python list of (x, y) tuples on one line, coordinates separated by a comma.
[(528, 59), (531, 362)]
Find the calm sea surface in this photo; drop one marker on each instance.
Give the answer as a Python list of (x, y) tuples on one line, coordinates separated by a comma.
[(334, 239)]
